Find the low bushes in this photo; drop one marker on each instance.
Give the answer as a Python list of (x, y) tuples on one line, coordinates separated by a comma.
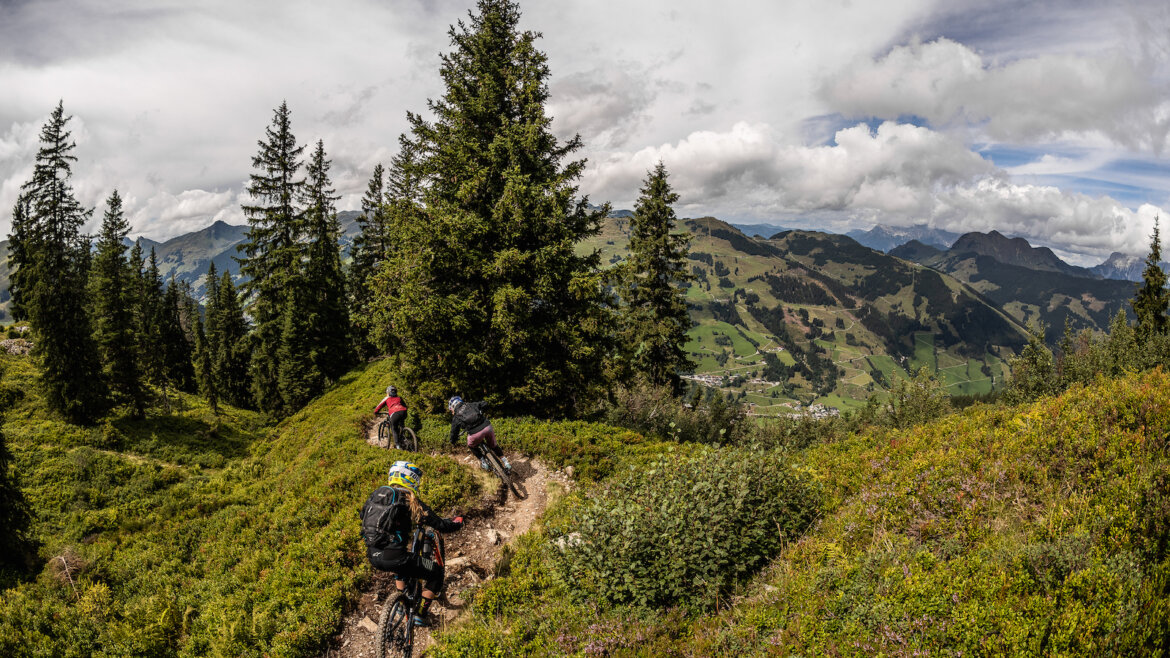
[(683, 531)]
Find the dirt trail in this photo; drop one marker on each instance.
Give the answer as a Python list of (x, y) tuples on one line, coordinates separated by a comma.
[(472, 554)]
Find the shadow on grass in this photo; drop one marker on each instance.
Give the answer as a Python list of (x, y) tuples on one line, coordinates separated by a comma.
[(182, 439)]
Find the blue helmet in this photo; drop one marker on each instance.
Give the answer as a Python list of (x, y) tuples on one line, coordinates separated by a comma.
[(454, 402)]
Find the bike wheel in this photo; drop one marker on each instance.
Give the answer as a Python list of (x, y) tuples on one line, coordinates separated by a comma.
[(409, 438), (395, 629), (502, 473), (383, 436)]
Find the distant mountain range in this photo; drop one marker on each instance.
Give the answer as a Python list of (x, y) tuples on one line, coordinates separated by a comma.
[(884, 238), (1028, 282)]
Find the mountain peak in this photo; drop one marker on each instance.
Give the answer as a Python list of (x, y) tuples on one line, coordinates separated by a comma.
[(1016, 251)]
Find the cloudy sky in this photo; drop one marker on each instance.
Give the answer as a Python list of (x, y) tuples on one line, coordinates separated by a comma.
[(1046, 119)]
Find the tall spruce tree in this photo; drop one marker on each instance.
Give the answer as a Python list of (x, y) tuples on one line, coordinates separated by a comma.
[(232, 353), (152, 313), (203, 373), (366, 256), (177, 349), (325, 303), (51, 288), (1152, 300), (484, 293), (299, 379), (19, 241), (112, 284), (654, 310), (272, 250)]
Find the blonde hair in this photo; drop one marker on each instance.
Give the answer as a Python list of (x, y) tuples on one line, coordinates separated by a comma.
[(416, 510)]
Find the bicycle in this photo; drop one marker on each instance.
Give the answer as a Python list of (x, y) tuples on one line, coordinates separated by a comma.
[(386, 436), (396, 624), (481, 452)]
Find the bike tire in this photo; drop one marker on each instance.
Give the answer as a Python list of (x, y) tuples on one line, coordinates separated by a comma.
[(392, 641), (502, 473), (383, 435), (410, 439)]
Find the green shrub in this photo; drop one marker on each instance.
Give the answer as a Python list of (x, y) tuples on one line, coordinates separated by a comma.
[(684, 531)]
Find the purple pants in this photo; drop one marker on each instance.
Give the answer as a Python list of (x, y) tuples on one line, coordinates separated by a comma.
[(486, 434)]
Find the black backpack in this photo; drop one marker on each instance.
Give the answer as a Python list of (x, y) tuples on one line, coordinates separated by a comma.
[(384, 517), (468, 415)]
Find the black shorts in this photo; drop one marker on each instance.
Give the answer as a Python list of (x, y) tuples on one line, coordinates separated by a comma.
[(428, 571)]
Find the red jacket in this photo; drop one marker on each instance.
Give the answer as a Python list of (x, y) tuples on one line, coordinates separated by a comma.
[(392, 405)]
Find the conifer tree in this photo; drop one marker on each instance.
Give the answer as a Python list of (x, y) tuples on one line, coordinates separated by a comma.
[(112, 284), (231, 357), (203, 373), (272, 251), (298, 378), (152, 313), (51, 289), (1152, 300), (19, 242), (366, 256), (178, 368), (484, 293), (654, 312), (327, 317)]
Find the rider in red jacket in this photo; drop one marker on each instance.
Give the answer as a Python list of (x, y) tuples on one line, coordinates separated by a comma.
[(396, 408)]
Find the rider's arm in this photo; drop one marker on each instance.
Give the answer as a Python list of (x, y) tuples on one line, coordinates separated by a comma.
[(437, 522), (454, 435), (381, 404)]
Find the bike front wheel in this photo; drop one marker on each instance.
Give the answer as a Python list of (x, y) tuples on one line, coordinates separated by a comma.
[(384, 435), (409, 440), (395, 634), (502, 473)]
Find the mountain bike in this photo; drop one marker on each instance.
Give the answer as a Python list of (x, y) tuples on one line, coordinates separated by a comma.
[(396, 625), (482, 452), (386, 436)]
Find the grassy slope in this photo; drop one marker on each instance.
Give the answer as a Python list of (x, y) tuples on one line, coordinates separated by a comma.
[(1018, 531), (233, 540)]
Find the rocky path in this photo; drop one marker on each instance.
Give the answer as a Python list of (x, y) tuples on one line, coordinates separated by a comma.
[(472, 554)]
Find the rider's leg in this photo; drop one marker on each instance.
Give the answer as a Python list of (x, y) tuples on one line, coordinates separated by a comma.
[(397, 421), (489, 437)]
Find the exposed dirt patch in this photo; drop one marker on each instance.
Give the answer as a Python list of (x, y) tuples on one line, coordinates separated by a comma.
[(472, 554)]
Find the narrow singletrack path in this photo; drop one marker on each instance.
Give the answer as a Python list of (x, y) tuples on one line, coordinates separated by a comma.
[(472, 554)]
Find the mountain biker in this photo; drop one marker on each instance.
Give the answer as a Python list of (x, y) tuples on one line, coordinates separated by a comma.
[(396, 408), (469, 417), (405, 478)]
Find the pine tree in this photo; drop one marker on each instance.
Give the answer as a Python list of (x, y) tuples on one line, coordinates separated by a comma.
[(51, 289), (484, 291), (1152, 300), (203, 372), (178, 368), (299, 379), (366, 256), (20, 241), (655, 319), (272, 252), (231, 357), (112, 284), (152, 314), (325, 309)]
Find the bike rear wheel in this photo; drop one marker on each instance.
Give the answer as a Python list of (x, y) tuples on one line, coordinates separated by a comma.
[(395, 630)]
